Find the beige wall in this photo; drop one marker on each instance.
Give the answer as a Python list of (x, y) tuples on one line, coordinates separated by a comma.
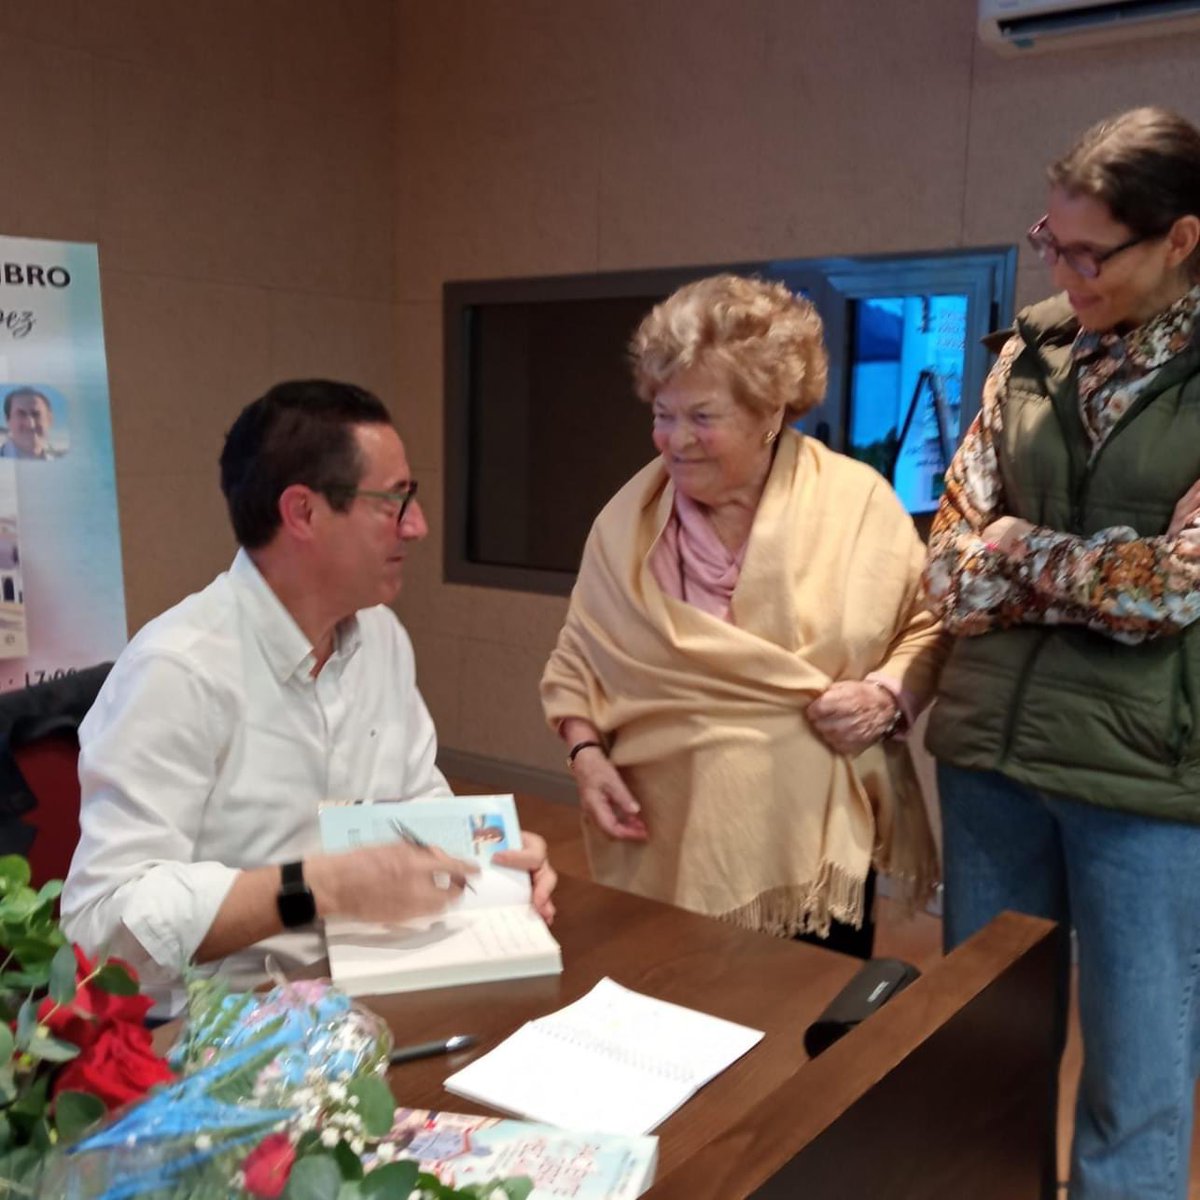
[(550, 136), (233, 159), (279, 188)]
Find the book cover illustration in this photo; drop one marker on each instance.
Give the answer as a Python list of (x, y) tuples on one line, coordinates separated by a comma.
[(461, 1149)]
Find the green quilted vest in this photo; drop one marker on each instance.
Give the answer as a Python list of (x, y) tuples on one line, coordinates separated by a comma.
[(1061, 708)]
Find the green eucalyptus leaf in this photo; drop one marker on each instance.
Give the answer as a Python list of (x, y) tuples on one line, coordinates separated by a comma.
[(20, 906), (14, 870), (62, 975), (32, 1103), (376, 1104), (52, 1049), (24, 980), (75, 1112), (6, 1043), (39, 1135), (49, 891), (20, 1166), (8, 1082), (519, 1188), (5, 1133), (31, 951), (348, 1162), (351, 1189), (315, 1177), (392, 1179), (26, 1023), (116, 979)]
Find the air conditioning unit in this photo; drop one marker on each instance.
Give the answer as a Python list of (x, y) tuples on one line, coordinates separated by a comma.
[(1035, 26)]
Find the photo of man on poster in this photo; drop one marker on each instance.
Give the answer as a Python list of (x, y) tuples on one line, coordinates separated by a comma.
[(29, 418)]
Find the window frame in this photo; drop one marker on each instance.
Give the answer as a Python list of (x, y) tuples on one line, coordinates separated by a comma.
[(986, 275)]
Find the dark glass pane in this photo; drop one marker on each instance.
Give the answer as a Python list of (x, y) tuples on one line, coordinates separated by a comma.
[(555, 427)]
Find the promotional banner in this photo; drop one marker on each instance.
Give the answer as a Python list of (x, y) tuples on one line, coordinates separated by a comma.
[(62, 599)]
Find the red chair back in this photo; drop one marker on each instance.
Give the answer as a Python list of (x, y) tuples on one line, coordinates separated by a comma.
[(50, 767)]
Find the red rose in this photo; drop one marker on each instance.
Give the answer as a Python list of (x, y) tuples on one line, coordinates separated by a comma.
[(268, 1166), (118, 1066), (82, 1021)]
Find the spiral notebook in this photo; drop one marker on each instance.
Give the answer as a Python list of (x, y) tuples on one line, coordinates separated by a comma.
[(615, 1061)]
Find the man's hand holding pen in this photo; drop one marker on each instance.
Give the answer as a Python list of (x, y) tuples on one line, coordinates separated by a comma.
[(396, 881), (532, 857), (390, 882)]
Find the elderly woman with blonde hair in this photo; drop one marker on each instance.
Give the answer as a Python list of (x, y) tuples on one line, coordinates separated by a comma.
[(746, 637)]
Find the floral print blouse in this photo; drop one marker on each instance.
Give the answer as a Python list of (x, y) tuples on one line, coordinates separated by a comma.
[(1114, 582)]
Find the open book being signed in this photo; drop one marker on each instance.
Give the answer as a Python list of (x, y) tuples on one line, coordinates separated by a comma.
[(490, 933)]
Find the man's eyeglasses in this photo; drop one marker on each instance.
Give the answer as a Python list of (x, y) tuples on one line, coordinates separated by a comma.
[(1081, 260), (403, 496)]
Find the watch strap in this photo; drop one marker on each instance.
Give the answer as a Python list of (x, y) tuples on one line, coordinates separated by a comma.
[(295, 902)]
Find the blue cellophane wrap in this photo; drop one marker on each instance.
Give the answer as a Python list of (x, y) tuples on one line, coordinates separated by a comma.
[(247, 1063)]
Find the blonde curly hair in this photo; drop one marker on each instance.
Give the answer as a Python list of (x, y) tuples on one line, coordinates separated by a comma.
[(767, 342)]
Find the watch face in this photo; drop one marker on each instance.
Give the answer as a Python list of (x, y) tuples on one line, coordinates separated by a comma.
[(296, 906)]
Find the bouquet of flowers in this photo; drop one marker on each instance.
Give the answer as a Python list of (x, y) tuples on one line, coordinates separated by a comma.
[(73, 1044), (275, 1094), (281, 1094)]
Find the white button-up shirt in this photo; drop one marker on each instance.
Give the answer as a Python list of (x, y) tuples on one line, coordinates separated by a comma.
[(208, 751)]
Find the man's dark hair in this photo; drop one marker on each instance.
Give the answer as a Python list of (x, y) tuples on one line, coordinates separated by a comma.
[(298, 432), (18, 394)]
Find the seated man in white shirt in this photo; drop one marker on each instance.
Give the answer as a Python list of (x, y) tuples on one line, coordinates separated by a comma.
[(228, 719)]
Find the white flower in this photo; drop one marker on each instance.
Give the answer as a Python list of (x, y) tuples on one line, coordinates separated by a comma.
[(203, 1142), (385, 1152), (330, 1138)]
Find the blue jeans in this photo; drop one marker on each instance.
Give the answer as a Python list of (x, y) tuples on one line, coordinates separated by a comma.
[(1130, 886)]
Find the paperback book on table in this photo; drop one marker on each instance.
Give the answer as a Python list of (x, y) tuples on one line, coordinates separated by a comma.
[(490, 933), (461, 1150)]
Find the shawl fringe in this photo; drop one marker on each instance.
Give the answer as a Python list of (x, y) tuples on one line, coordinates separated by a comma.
[(835, 895)]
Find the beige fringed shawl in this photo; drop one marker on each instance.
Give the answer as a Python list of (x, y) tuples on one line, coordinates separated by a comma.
[(751, 817)]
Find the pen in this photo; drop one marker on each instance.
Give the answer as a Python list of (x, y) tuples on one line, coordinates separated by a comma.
[(411, 838), (450, 1045)]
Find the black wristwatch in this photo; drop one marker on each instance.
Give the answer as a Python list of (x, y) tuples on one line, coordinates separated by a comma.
[(294, 899)]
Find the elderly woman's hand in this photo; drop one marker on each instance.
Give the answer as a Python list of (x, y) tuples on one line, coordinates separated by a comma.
[(604, 798), (849, 716)]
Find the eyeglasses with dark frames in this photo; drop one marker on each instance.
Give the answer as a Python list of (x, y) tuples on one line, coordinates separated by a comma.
[(402, 496), (1083, 261)]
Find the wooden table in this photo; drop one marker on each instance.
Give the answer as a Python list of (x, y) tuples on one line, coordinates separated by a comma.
[(944, 1094)]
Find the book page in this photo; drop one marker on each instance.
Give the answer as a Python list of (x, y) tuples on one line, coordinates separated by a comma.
[(359, 949)]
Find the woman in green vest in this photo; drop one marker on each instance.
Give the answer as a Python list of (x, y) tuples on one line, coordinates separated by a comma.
[(1065, 556)]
